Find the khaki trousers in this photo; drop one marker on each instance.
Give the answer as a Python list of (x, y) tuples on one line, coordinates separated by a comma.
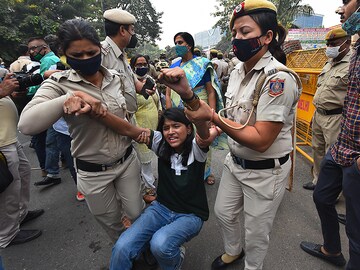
[(15, 199), (325, 130), (113, 193), (256, 193)]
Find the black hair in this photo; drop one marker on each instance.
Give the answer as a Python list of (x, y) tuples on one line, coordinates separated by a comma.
[(53, 42), (135, 58), (165, 150), (36, 38), (268, 21), (22, 49), (188, 39), (112, 28), (76, 29)]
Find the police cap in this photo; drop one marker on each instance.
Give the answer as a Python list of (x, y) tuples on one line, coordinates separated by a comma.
[(335, 34), (119, 16)]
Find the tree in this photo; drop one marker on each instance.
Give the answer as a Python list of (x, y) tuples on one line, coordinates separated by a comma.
[(148, 26), (286, 11)]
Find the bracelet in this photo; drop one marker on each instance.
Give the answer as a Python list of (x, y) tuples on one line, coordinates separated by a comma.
[(212, 115), (189, 99), (194, 104)]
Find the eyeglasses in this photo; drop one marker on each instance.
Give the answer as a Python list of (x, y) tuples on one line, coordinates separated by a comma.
[(132, 32), (33, 48)]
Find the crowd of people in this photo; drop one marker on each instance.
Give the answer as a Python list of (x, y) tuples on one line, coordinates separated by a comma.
[(108, 118)]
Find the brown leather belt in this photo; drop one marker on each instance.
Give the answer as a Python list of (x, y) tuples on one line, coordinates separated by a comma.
[(93, 167), (329, 112), (259, 164)]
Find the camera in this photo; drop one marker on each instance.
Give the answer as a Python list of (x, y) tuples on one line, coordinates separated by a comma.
[(26, 80), (149, 84)]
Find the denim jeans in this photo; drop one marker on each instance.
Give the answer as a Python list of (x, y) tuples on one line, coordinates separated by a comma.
[(52, 154), (164, 229), (40, 148), (332, 179), (64, 143)]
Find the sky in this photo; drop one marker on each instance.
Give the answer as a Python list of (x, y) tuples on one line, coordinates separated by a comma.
[(193, 16)]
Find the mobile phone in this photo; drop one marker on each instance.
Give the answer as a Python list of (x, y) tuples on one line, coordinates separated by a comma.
[(149, 84)]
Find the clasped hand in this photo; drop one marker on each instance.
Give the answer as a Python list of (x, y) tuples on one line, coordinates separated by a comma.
[(82, 103)]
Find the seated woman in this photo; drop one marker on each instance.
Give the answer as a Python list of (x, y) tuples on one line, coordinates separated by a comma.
[(178, 213)]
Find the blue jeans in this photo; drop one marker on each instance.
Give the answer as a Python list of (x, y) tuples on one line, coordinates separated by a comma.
[(164, 229), (52, 154), (64, 144), (40, 148), (332, 179)]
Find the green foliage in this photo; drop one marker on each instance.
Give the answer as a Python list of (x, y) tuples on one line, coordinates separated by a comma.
[(22, 19)]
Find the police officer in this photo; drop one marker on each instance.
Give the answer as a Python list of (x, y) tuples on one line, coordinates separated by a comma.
[(120, 34), (329, 97), (108, 171), (259, 130)]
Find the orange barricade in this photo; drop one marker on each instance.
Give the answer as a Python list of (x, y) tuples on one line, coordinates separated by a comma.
[(308, 65)]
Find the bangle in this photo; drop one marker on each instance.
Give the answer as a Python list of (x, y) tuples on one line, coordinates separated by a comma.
[(212, 115), (193, 104), (189, 99)]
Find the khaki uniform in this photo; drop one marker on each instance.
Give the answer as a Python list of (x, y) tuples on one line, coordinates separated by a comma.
[(107, 193), (114, 58), (15, 198), (330, 94), (258, 192)]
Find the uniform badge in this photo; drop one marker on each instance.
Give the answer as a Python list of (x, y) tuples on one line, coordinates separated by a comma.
[(276, 87)]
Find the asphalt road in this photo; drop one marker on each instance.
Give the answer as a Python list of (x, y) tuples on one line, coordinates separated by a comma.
[(72, 239)]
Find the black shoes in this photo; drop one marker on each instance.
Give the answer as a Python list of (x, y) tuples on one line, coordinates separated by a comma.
[(342, 218), (315, 250), (32, 215), (24, 236), (218, 263), (48, 181), (309, 186)]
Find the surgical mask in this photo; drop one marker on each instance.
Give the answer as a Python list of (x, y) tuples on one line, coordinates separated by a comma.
[(37, 57), (133, 42), (333, 52), (244, 49), (181, 50), (141, 71), (352, 24), (85, 66)]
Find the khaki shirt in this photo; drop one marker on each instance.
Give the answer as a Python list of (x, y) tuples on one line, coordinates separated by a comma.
[(91, 140), (115, 58), (280, 108), (8, 121), (332, 84)]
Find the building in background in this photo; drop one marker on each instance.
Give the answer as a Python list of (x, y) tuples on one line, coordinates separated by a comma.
[(312, 21), (208, 39)]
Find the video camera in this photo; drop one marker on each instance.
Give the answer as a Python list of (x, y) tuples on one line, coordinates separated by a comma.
[(26, 80)]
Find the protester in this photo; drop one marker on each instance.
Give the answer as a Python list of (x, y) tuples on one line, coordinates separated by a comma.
[(340, 169), (146, 116), (202, 78), (108, 172), (14, 200), (259, 123), (329, 97)]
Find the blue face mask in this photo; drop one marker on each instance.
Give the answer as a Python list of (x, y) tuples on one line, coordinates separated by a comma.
[(86, 67), (352, 24), (181, 50)]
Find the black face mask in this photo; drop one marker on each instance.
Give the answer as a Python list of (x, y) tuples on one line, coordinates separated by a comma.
[(86, 67), (244, 49), (141, 71), (133, 42)]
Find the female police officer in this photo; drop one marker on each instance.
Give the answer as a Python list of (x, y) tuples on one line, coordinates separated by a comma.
[(261, 102), (107, 168)]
